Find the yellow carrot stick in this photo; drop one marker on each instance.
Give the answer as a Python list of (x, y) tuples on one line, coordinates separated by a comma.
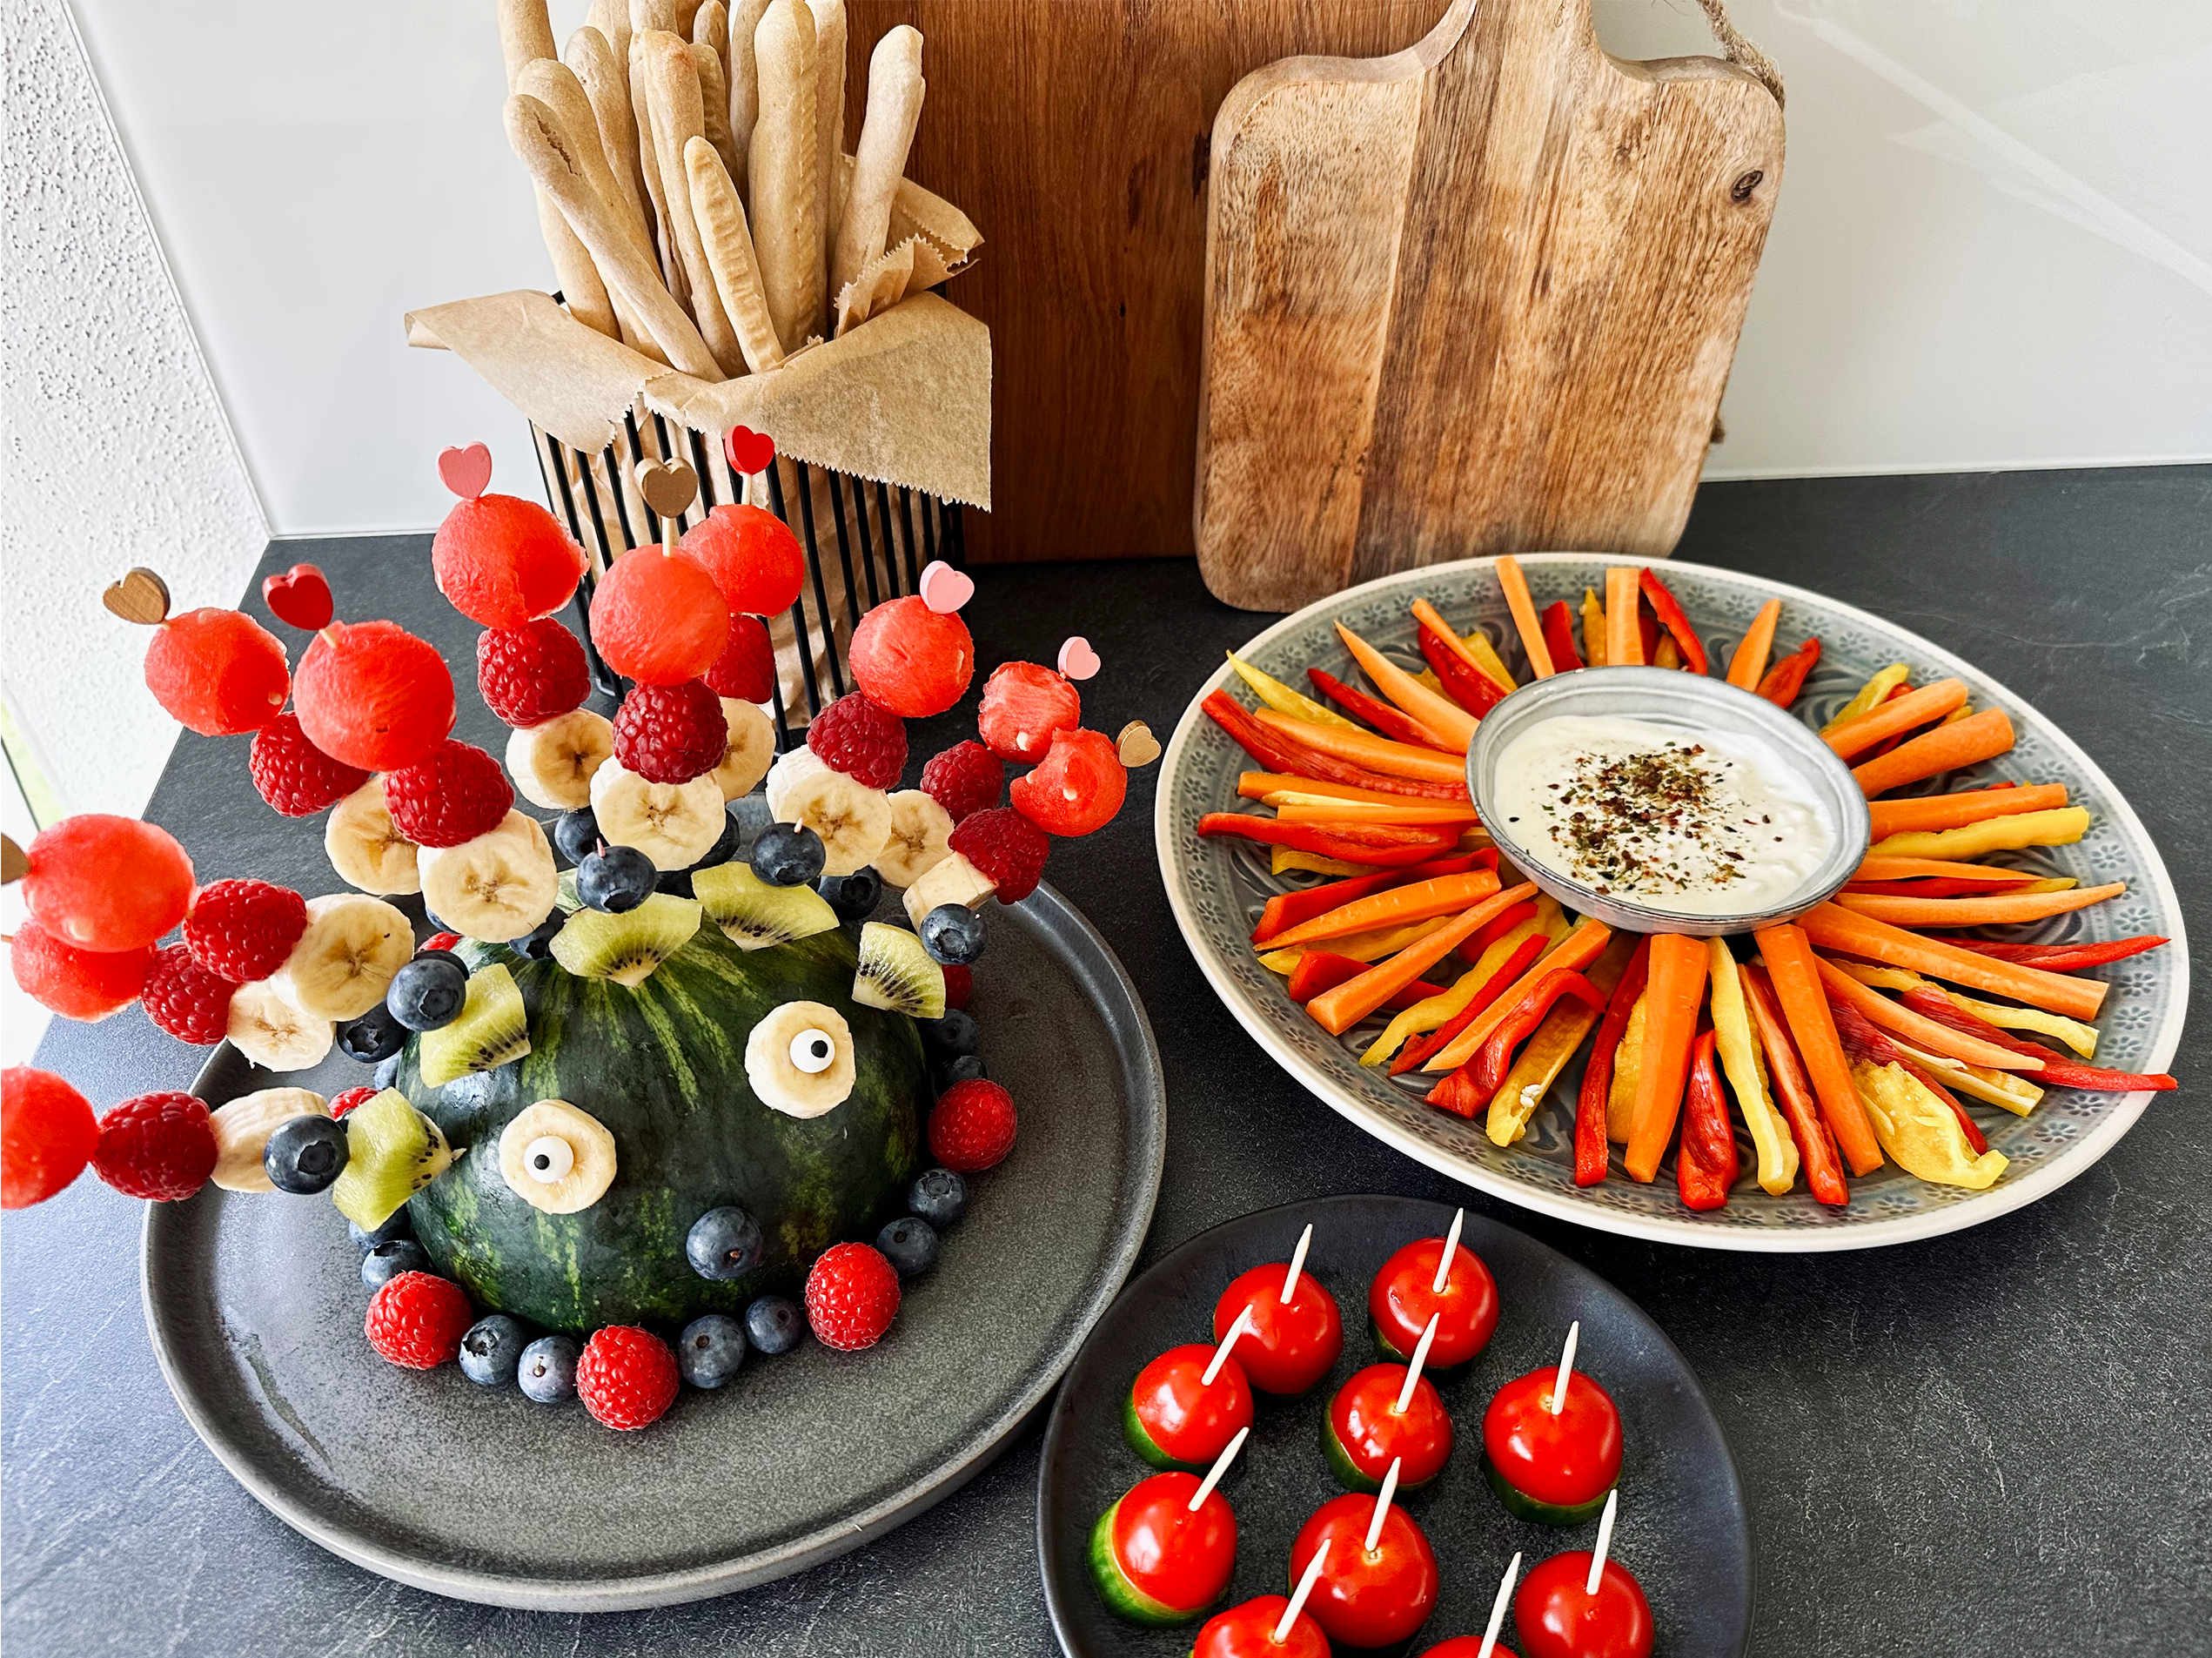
[(1519, 601), (1748, 666), (1593, 629), (1282, 699), (2062, 827), (1452, 723), (1872, 694)]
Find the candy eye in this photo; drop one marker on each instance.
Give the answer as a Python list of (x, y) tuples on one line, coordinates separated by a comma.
[(798, 1060), (556, 1159), (813, 1052), (548, 1159)]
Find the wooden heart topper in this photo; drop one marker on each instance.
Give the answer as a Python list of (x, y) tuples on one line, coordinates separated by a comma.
[(141, 596), (1136, 745), (667, 485)]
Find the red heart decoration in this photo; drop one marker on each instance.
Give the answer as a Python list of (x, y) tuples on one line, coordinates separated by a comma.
[(748, 451), (301, 596), (467, 472)]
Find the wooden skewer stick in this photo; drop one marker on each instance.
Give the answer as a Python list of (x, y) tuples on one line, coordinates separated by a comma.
[(1451, 1248), (1558, 1396), (1420, 1357), (1221, 1466), (1300, 1595), (1604, 1541), (1241, 1327), (1298, 1265), (1498, 1606), (1383, 1505)]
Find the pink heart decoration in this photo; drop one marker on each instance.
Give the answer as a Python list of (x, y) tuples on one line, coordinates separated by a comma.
[(747, 451), (945, 589), (465, 471), (1077, 659), (301, 596)]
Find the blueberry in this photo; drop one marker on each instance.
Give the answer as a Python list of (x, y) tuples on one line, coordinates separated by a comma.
[(852, 896), (962, 1068), (390, 1259), (910, 1245), (952, 932), (774, 1325), (676, 883), (538, 942), (576, 834), (710, 1349), (492, 1351), (751, 815), (547, 1372), (787, 854), (950, 1036), (305, 1155), (726, 844), (397, 1225), (376, 1035), (386, 1073), (428, 991), (618, 879), (939, 1197), (724, 1243)]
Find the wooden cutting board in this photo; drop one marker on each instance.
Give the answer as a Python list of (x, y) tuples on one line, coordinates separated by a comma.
[(1476, 296)]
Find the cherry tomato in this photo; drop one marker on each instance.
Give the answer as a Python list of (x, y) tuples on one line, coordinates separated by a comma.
[(1401, 1301), (1369, 1432), (1556, 1618), (1466, 1646), (1363, 1599), (1247, 1630), (1563, 1462), (1181, 1421), (1292, 1343), (1180, 1559)]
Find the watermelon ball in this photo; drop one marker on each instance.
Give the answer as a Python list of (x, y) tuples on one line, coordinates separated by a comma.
[(754, 557), (502, 561), (102, 883), (372, 695), (1076, 787), (1022, 706), (658, 618), (47, 1134), (914, 660), (216, 672), (76, 983)]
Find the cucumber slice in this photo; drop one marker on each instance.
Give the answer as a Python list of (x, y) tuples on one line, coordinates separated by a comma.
[(1123, 1598), (1141, 1440), (1519, 1503)]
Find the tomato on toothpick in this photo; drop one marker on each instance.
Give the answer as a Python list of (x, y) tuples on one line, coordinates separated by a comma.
[(1381, 1582), (1189, 1403), (1385, 1414), (1165, 1551), (1486, 1644), (1428, 1277), (1296, 1331), (1552, 1449), (1268, 1626), (1582, 1604)]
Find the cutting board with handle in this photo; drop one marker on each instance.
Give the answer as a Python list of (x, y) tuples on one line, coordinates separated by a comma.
[(1480, 296)]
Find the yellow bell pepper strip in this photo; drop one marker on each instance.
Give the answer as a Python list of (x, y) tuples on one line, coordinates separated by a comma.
[(1624, 639), (2062, 827), (1593, 629), (1441, 895), (1555, 1042), (1746, 1071), (1918, 1131), (1449, 1014), (1863, 1044), (1800, 1107), (1487, 661), (1851, 934), (1748, 666), (1705, 1165), (2015, 1093), (1665, 653), (1947, 748), (1872, 694), (1924, 813), (1998, 909), (1844, 988), (1452, 724), (1895, 717), (1676, 991), (1786, 678), (1288, 860), (1338, 1011), (1582, 946), (1282, 698), (1795, 975), (1590, 1111), (1385, 719), (1620, 1098), (1525, 621), (1671, 618), (1370, 752), (2082, 1039)]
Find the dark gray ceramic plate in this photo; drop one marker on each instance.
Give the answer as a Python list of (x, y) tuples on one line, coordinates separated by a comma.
[(1682, 1528), (255, 1304)]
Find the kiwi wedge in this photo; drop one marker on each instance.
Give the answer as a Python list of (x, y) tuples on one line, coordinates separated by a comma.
[(896, 973), (391, 1153), (490, 1031), (756, 914), (594, 943)]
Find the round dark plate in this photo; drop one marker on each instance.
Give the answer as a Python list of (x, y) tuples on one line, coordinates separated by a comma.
[(1682, 1527), (255, 1303)]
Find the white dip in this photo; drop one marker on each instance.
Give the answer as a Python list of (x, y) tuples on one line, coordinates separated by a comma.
[(1669, 819)]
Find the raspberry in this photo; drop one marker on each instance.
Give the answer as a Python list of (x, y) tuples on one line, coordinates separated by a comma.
[(159, 1146), (852, 1296), (418, 1319), (1076, 787), (501, 560), (293, 775), (745, 670), (965, 778), (186, 1000), (372, 695), (671, 733), (973, 1127), (76, 983), (960, 983), (347, 1099), (658, 618), (455, 793), (752, 556), (861, 738), (1008, 847), (442, 940), (216, 672), (242, 929), (97, 881), (47, 1133), (531, 674), (914, 660), (626, 1377), (1022, 706)]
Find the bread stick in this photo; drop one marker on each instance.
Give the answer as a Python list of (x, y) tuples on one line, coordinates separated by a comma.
[(575, 271), (591, 58), (687, 12), (525, 36), (611, 19), (745, 87), (712, 28), (554, 85), (672, 83), (894, 92), (647, 14), (729, 255), (713, 99), (830, 121), (672, 270), (785, 175)]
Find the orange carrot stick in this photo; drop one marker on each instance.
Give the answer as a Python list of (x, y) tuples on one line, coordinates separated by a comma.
[(1885, 868), (1441, 895), (1852, 934), (1896, 716), (1673, 995), (1917, 1028), (1935, 812), (1948, 747), (1993, 911), (1789, 961), (1624, 639), (1365, 749), (1576, 951), (1452, 724), (1525, 617), (1338, 1011), (1748, 666), (1258, 785)]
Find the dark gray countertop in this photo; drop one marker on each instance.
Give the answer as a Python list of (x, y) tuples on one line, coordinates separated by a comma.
[(1995, 1442)]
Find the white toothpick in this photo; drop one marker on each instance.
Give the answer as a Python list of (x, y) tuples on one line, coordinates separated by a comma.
[(1241, 1327), (1566, 1367), (1605, 1541), (1382, 1506), (1221, 1466), (1299, 1597), (1297, 1264), (1451, 1248), (1420, 1357), (1497, 1607)]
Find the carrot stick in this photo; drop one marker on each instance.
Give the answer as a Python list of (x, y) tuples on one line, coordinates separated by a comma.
[(1390, 721), (1952, 811), (1416, 901), (1577, 950), (2062, 826), (1917, 1029), (1286, 910), (1790, 965), (1294, 807), (1886, 868), (1952, 887), (1338, 1011), (1525, 617), (1930, 702), (1283, 753), (1748, 666), (1675, 992), (1258, 785), (1452, 723), (1948, 747), (1624, 639), (1872, 940), (1816, 1146), (1993, 911), (1365, 749)]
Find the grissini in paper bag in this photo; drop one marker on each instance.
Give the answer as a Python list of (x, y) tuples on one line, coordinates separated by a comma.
[(745, 88), (672, 83), (524, 36), (785, 196), (611, 19), (729, 255), (916, 211), (829, 117), (606, 80), (554, 85), (882, 282), (895, 94), (713, 99), (672, 270)]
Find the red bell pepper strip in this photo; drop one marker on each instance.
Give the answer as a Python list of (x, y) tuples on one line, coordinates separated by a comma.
[(1512, 967), (1380, 844), (1477, 693), (1319, 970), (1470, 952), (2058, 1070), (1590, 1147), (1705, 1164), (1863, 1041), (1495, 1058), (1391, 723), (1669, 612), (1786, 678), (1800, 1107), (1281, 754), (2057, 959), (1286, 910), (1558, 637)]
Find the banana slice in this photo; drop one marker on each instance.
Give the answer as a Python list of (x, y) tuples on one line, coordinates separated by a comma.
[(800, 1059), (674, 824), (790, 768), (498, 886), (853, 820), (272, 1033), (556, 1157), (919, 830), (243, 1127), (352, 946), (952, 879), (751, 751), (552, 764), (364, 847)]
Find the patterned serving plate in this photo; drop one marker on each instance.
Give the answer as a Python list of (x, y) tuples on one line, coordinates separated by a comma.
[(1217, 888)]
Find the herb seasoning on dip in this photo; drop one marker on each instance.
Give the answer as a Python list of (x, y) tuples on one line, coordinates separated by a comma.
[(1696, 826)]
